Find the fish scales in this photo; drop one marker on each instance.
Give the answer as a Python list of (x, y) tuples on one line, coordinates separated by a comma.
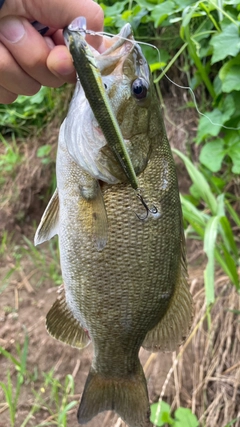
[(125, 280)]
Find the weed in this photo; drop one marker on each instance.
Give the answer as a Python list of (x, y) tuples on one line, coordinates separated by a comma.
[(43, 152), (10, 158), (28, 114), (57, 403), (47, 265), (212, 226), (183, 417), (12, 392)]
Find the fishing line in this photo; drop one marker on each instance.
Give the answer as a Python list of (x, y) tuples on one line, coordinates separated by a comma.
[(196, 106), (104, 33)]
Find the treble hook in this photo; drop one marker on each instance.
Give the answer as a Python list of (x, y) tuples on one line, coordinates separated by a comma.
[(153, 210)]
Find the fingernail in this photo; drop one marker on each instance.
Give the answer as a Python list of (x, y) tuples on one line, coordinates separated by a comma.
[(12, 29), (64, 64)]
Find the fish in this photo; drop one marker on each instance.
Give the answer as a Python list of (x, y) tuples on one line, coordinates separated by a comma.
[(123, 258)]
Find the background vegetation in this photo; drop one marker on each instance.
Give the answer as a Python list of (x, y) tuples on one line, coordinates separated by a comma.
[(199, 41)]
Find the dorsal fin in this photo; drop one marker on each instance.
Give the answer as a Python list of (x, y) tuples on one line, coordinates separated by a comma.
[(48, 226), (63, 326)]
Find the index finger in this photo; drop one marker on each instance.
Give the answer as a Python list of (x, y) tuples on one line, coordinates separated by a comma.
[(58, 13)]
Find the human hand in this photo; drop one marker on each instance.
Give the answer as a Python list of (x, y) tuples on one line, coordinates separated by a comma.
[(29, 60)]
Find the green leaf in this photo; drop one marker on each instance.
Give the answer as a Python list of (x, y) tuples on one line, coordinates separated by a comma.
[(115, 9), (196, 218), (162, 416), (44, 150), (226, 43), (232, 141), (212, 155), (209, 247), (200, 182), (147, 5), (234, 153), (231, 80), (232, 267), (187, 16), (184, 3), (228, 107), (8, 355), (209, 124), (185, 418), (233, 213), (194, 215), (228, 268), (161, 12), (157, 66), (232, 422), (227, 235), (108, 21)]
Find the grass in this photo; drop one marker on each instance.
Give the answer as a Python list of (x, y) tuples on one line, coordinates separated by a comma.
[(58, 392)]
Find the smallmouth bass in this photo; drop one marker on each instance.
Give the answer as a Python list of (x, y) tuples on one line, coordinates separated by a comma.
[(125, 279)]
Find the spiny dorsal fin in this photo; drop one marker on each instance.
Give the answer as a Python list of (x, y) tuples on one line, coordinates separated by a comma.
[(63, 326), (48, 226), (174, 327)]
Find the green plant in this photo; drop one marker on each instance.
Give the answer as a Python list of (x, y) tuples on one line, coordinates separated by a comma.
[(232, 423), (53, 395), (212, 226), (43, 152), (12, 392), (161, 415), (9, 158), (28, 114), (59, 394), (48, 265)]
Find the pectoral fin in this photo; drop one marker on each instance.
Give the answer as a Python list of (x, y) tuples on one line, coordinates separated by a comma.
[(93, 214), (48, 226), (174, 327), (63, 326)]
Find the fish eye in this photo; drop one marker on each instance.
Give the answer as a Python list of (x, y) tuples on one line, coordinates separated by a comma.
[(139, 88)]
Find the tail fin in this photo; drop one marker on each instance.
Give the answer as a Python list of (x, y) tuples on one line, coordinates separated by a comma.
[(128, 397)]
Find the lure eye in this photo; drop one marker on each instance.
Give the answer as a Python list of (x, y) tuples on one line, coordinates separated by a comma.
[(139, 89)]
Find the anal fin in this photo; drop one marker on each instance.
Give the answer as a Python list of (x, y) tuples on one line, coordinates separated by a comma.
[(174, 327), (63, 326), (48, 226)]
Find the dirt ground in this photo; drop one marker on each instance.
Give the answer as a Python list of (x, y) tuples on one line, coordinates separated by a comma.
[(204, 375)]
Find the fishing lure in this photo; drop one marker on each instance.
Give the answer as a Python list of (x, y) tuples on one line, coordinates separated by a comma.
[(91, 81)]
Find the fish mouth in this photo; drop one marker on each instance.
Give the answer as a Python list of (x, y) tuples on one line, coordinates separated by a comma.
[(124, 53)]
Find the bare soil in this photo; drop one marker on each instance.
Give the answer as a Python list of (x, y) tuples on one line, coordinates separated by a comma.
[(205, 373)]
